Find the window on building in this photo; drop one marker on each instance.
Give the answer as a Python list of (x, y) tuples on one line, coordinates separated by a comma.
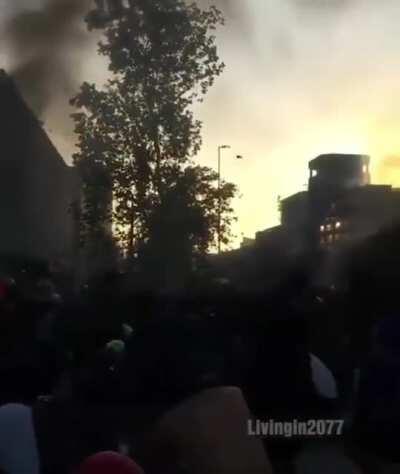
[(365, 169), (338, 225), (330, 238), (322, 228), (329, 227), (314, 173)]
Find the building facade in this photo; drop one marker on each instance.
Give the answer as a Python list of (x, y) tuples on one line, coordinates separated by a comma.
[(360, 213), (39, 193), (340, 207), (333, 176), (341, 204)]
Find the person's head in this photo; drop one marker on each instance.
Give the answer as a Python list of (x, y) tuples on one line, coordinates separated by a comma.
[(109, 462)]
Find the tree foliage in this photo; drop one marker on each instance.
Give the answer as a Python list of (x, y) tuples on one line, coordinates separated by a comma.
[(138, 134), (186, 223)]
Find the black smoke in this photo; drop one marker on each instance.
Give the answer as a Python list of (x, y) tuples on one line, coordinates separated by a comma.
[(42, 44)]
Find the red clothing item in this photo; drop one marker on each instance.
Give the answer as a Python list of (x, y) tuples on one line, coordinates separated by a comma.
[(109, 462)]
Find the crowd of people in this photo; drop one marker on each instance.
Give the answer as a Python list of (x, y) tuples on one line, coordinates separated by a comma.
[(114, 383)]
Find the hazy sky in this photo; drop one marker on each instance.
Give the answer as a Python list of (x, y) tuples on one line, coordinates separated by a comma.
[(303, 77)]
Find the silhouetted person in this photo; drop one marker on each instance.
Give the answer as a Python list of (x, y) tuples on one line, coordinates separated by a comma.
[(377, 421), (279, 385)]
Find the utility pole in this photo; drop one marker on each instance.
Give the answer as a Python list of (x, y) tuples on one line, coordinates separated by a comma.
[(220, 148)]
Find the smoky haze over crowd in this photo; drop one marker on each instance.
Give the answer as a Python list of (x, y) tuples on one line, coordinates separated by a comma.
[(303, 77)]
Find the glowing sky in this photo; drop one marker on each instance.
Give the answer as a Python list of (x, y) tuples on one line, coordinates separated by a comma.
[(303, 77)]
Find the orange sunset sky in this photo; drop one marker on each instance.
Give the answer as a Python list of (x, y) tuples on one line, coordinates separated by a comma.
[(303, 77)]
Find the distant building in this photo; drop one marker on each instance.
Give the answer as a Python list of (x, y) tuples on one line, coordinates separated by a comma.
[(292, 235), (359, 213), (247, 242), (295, 221), (331, 177), (339, 209), (39, 193), (340, 206), (294, 210), (333, 173), (276, 238)]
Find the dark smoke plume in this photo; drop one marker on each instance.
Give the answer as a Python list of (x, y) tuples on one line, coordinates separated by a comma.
[(47, 45), (43, 44)]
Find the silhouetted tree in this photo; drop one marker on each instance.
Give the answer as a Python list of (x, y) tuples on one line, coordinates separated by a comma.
[(140, 127), (94, 216), (184, 225)]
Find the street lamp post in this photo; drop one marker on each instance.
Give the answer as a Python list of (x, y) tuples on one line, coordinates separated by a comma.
[(221, 147)]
